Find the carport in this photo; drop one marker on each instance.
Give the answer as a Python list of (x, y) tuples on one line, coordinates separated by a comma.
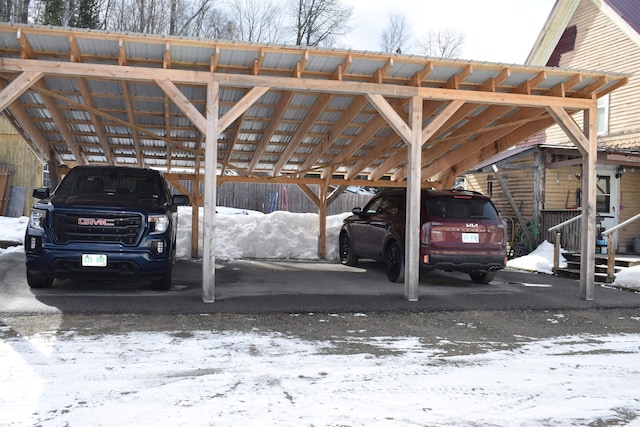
[(208, 111)]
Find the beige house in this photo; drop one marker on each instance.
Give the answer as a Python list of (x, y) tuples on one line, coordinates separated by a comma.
[(543, 175)]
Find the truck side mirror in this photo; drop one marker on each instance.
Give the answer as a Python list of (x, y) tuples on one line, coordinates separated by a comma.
[(41, 193), (180, 200)]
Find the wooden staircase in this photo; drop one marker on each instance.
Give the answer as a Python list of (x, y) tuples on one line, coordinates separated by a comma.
[(572, 270)]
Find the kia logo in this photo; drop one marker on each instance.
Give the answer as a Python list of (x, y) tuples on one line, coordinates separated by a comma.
[(471, 225), (101, 222)]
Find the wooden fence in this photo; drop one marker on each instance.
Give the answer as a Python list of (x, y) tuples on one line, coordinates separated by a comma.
[(271, 197)]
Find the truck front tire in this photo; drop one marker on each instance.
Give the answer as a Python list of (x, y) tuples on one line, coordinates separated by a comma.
[(38, 281)]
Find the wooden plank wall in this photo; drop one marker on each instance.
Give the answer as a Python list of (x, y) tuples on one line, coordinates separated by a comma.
[(518, 176), (27, 170)]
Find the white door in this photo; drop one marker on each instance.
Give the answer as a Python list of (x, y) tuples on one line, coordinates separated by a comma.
[(607, 198)]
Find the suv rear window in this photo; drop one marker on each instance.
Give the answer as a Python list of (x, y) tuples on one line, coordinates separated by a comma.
[(459, 207)]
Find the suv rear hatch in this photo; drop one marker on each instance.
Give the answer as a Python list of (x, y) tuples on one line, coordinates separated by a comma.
[(461, 223)]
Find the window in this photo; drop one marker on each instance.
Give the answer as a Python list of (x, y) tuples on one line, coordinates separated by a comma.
[(603, 194), (603, 115)]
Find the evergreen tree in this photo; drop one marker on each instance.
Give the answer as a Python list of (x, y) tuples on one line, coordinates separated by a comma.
[(52, 13), (88, 15)]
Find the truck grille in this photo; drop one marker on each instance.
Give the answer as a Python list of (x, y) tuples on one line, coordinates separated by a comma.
[(97, 227)]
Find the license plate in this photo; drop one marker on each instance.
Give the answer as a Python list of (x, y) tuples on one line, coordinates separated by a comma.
[(470, 238), (94, 260)]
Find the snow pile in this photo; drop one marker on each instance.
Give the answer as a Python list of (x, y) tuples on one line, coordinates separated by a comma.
[(628, 278), (278, 235), (540, 260), (12, 230)]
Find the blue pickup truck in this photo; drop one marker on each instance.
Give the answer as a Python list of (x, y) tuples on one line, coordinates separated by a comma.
[(103, 222)]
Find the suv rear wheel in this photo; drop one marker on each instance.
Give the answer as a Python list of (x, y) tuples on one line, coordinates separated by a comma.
[(394, 262), (482, 276)]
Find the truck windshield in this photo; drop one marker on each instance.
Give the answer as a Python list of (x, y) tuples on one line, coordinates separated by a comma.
[(112, 183)]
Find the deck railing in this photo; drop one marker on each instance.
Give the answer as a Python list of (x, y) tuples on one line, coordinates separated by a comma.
[(611, 250), (558, 238)]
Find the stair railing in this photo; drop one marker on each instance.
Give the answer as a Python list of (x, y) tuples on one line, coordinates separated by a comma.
[(556, 246), (611, 247)]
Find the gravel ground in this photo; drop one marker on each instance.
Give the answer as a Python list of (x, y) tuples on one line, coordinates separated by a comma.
[(482, 330)]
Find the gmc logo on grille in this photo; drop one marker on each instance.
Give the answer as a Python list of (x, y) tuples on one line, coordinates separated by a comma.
[(101, 222)]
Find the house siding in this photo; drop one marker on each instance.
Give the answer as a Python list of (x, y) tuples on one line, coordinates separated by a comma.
[(602, 45), (27, 170), (629, 207), (519, 178)]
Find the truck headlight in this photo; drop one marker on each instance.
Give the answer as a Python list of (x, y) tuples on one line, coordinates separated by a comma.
[(159, 223), (37, 218)]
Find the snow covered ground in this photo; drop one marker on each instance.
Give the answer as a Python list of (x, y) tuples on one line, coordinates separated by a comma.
[(207, 377), (204, 378)]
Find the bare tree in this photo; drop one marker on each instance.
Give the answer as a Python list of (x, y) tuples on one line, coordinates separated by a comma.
[(257, 21), (14, 11), (320, 22), (444, 43), (394, 38)]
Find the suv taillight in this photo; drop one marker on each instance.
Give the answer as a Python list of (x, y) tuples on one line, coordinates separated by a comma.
[(425, 235)]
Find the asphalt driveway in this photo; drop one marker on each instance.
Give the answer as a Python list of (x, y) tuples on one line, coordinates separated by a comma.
[(299, 287)]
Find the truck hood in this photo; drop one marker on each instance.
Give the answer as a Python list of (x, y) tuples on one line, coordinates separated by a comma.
[(110, 202)]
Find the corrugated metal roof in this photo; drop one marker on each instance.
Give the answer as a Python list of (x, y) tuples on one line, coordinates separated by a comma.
[(98, 110)]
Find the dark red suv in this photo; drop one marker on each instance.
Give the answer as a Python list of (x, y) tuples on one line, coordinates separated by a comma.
[(460, 231)]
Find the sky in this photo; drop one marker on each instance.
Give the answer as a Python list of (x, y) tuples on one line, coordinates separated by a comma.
[(501, 31)]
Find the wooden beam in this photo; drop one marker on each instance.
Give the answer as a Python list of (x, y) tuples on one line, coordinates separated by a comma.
[(139, 129), (356, 106), (114, 72), (17, 87), (570, 127), (32, 134), (454, 82), (390, 115), (183, 104), (418, 77), (25, 48), (95, 120), (240, 107), (60, 122), (318, 107), (276, 116), (379, 74), (427, 133)]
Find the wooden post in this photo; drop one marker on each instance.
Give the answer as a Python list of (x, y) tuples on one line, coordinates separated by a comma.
[(195, 210), (588, 234), (611, 258), (556, 252), (211, 164), (414, 178)]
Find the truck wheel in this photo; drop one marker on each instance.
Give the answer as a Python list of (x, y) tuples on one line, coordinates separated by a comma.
[(39, 281), (482, 276), (163, 284)]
